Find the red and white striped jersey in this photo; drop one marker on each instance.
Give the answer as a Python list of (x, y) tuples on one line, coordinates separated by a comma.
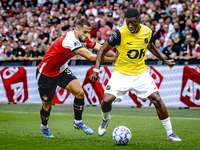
[(57, 57)]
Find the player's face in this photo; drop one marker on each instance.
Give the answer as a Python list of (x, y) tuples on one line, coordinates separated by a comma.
[(133, 24), (84, 33)]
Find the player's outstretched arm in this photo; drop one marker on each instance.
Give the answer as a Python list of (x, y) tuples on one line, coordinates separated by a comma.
[(92, 57), (109, 53), (155, 52)]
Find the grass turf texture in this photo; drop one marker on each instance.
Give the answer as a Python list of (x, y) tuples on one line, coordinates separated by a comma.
[(20, 129)]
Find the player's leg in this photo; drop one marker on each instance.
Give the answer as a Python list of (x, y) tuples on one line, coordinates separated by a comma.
[(75, 88), (115, 89), (46, 87), (106, 107), (163, 115), (45, 114)]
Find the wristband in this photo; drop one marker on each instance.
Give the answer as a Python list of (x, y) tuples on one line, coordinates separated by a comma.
[(96, 70)]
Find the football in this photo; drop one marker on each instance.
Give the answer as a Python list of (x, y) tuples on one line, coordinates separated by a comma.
[(121, 135)]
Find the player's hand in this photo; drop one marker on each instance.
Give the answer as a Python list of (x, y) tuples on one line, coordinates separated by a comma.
[(94, 77), (170, 63), (116, 55)]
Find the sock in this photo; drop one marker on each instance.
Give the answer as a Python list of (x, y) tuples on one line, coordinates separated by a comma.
[(78, 108), (77, 121), (44, 116), (104, 115), (44, 126), (167, 125)]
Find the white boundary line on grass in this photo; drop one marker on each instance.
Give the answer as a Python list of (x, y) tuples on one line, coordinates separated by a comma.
[(93, 115)]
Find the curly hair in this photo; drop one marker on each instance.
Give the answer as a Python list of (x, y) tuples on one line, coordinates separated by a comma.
[(132, 12)]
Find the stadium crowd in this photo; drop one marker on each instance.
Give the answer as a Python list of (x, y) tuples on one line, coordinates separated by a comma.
[(29, 27)]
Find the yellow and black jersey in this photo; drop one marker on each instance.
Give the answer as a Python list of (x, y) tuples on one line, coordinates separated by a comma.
[(132, 49)]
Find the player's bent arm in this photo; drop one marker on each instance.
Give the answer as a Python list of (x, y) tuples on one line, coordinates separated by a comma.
[(154, 51), (109, 53)]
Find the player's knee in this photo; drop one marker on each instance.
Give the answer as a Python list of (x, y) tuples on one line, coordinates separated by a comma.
[(80, 94), (47, 107), (107, 101), (157, 101)]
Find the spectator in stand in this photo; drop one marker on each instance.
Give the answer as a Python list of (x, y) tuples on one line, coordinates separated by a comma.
[(174, 16), (29, 49), (193, 31), (109, 33), (193, 50), (94, 29), (56, 34), (170, 52), (9, 53), (165, 35), (177, 36), (121, 22), (167, 6), (185, 7), (41, 46), (13, 33), (160, 31), (183, 52), (171, 26), (98, 38), (21, 44), (2, 50), (104, 28), (156, 24), (188, 15), (35, 54), (158, 45), (178, 6), (91, 9), (196, 23), (44, 35), (18, 52)]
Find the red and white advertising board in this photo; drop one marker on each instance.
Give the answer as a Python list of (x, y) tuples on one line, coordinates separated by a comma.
[(178, 87)]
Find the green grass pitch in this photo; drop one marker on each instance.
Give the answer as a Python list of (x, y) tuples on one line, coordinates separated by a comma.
[(20, 129)]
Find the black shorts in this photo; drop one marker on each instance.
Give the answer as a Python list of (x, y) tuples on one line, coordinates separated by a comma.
[(47, 85)]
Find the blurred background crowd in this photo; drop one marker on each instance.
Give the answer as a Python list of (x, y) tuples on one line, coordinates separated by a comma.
[(29, 27)]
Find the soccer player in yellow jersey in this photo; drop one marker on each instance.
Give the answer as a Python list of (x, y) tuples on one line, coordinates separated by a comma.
[(130, 71)]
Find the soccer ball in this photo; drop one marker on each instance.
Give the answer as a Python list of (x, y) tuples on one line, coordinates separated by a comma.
[(121, 135)]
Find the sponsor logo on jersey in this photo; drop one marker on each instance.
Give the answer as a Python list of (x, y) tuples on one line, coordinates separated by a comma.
[(111, 38), (77, 43), (145, 40)]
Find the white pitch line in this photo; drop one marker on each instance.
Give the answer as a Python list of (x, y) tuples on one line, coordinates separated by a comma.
[(94, 115)]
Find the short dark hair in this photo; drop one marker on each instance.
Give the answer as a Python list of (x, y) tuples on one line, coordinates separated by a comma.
[(132, 12), (82, 22)]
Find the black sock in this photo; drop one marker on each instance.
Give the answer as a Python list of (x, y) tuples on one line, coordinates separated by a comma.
[(78, 108), (44, 116)]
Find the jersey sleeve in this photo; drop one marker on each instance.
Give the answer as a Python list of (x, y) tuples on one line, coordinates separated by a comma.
[(90, 43), (72, 43), (115, 38)]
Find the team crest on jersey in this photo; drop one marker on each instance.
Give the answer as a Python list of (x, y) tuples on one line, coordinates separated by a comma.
[(45, 98), (111, 38), (145, 40), (77, 43), (108, 87)]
